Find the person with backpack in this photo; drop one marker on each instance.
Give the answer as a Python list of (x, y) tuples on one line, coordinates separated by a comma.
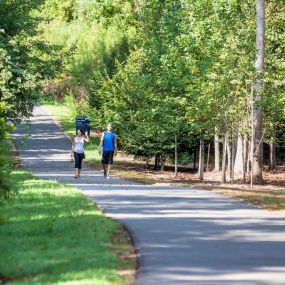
[(108, 147), (78, 151)]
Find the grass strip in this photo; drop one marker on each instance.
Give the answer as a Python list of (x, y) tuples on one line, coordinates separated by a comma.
[(270, 199), (52, 234)]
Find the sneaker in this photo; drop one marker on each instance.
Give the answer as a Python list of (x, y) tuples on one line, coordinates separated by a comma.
[(75, 176), (108, 177), (105, 174)]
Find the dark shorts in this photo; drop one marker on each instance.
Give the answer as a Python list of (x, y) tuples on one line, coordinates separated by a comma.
[(107, 157)]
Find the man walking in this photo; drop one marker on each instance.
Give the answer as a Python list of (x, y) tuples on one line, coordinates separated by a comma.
[(109, 144)]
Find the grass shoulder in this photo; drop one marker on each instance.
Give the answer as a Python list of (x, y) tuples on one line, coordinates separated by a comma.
[(52, 234)]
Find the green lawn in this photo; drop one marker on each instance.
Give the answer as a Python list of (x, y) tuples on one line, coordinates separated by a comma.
[(52, 234)]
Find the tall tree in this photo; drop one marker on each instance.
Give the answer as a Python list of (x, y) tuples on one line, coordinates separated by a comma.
[(217, 151), (257, 159)]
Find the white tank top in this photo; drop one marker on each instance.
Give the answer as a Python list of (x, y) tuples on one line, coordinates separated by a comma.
[(79, 145)]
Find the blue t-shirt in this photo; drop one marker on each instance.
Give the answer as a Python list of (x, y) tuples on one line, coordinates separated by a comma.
[(109, 141)]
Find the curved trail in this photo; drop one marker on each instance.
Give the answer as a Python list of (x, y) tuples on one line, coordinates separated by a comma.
[(184, 236)]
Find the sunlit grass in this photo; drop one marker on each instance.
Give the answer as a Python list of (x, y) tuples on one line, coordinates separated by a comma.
[(271, 199), (52, 234)]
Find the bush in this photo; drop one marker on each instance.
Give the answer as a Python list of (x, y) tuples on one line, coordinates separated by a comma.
[(185, 158), (6, 185)]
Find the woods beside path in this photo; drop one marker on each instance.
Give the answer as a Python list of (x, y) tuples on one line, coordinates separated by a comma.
[(183, 235), (183, 82), (192, 85)]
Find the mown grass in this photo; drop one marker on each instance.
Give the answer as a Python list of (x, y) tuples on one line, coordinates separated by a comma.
[(271, 199), (51, 234)]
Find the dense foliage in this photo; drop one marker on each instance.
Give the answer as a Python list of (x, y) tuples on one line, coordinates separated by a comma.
[(17, 75), (156, 69)]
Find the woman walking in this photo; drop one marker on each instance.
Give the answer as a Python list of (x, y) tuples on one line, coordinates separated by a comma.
[(78, 151)]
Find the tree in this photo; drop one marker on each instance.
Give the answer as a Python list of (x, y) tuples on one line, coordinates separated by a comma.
[(17, 84), (257, 157), (161, 69)]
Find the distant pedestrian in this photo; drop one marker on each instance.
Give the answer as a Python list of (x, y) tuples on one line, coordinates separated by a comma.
[(78, 151), (108, 144)]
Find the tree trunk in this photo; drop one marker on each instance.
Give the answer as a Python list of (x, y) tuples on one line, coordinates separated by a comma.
[(208, 158), (146, 165), (239, 161), (245, 153), (244, 158), (224, 157), (156, 162), (162, 163), (249, 156), (217, 151), (195, 158), (257, 162), (228, 155), (272, 155), (176, 156), (232, 146), (201, 159)]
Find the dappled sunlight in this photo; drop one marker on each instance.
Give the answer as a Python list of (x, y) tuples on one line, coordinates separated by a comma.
[(201, 276)]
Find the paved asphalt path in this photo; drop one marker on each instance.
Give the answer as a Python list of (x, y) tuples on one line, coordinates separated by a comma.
[(184, 236)]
